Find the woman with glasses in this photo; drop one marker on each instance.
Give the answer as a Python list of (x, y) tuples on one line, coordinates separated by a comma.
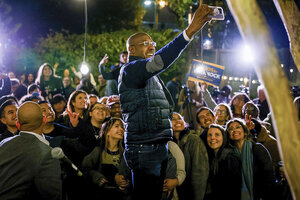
[(101, 165), (98, 115), (225, 178), (257, 172), (222, 114), (196, 160), (237, 102)]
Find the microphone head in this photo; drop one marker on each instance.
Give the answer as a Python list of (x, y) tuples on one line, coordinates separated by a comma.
[(57, 153)]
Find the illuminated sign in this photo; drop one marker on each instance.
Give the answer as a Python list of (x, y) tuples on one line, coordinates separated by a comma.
[(204, 71)]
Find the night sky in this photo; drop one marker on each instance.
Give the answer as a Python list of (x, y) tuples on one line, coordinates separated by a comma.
[(39, 16)]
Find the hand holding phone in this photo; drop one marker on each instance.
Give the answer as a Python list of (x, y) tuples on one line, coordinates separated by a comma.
[(218, 13)]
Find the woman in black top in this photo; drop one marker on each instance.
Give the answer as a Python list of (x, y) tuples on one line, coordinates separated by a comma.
[(101, 165), (225, 179), (49, 83)]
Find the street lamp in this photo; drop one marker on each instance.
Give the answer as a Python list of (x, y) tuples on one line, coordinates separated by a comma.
[(84, 69), (161, 4)]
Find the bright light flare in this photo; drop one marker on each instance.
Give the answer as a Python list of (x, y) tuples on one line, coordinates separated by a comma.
[(207, 44), (147, 3), (84, 68), (291, 70), (162, 4), (199, 70), (247, 54)]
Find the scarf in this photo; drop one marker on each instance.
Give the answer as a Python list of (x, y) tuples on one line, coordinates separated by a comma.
[(247, 169)]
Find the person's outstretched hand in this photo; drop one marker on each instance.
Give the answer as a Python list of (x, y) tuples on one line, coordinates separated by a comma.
[(203, 86), (104, 60), (202, 15), (73, 117), (250, 125)]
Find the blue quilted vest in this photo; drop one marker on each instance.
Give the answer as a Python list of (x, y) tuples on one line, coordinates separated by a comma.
[(146, 111)]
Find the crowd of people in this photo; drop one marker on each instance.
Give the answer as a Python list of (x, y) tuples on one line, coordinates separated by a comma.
[(129, 137)]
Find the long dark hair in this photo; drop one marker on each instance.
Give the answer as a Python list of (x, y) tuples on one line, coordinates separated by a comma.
[(229, 112), (104, 137), (223, 151), (246, 99), (73, 97), (40, 77)]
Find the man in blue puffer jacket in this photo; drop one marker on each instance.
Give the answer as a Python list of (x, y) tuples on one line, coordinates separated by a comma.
[(146, 106)]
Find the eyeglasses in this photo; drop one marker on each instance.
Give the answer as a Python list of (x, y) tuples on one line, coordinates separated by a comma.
[(146, 43), (221, 111), (231, 129)]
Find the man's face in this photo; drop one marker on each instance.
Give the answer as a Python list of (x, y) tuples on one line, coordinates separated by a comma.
[(59, 107), (123, 58), (115, 110), (137, 48), (11, 75), (9, 117), (205, 118), (48, 112), (93, 100), (251, 110), (101, 80), (261, 95), (14, 87), (66, 73), (99, 112), (66, 82)]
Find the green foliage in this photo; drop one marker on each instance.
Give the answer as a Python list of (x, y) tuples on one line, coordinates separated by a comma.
[(67, 49), (180, 8), (113, 15)]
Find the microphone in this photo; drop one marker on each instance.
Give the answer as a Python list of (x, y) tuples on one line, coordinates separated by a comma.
[(58, 153)]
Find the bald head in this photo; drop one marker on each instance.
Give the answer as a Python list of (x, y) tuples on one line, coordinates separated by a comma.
[(135, 45), (133, 39), (30, 116)]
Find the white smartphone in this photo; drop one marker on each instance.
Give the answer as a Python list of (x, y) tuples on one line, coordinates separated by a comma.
[(218, 13)]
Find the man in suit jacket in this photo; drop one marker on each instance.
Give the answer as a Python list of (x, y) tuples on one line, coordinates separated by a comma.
[(27, 170)]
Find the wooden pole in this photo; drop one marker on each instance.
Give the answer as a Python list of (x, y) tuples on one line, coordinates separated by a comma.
[(290, 15), (255, 33)]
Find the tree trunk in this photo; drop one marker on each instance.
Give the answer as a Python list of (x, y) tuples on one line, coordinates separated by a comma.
[(255, 33), (290, 16)]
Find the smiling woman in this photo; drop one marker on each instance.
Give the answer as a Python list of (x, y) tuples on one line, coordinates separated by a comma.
[(257, 171), (225, 179), (101, 165), (196, 159)]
